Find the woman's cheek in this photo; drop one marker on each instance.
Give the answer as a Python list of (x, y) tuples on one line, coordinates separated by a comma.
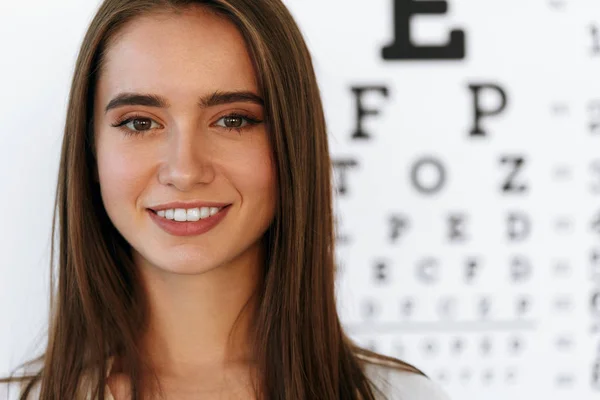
[(122, 174), (254, 171)]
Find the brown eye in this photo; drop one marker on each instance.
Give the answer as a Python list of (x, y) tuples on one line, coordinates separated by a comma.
[(233, 122), (140, 124), (137, 124), (237, 122)]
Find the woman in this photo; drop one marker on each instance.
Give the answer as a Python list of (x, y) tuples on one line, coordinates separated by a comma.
[(195, 218)]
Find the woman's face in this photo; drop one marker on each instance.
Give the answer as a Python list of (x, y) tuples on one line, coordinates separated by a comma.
[(203, 141)]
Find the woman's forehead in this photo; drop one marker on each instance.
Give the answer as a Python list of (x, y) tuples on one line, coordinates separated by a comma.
[(177, 53)]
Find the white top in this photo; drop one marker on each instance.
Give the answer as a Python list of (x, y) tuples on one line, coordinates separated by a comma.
[(403, 385), (397, 385)]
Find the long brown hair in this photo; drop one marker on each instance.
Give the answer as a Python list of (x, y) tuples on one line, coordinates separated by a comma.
[(97, 308)]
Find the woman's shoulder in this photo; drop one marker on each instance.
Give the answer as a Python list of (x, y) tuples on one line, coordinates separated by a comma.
[(397, 383), (12, 390)]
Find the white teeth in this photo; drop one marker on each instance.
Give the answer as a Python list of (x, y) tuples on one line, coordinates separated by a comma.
[(205, 212), (192, 214), (180, 214)]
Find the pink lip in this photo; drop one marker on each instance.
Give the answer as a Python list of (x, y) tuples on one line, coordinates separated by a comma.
[(188, 228), (186, 205)]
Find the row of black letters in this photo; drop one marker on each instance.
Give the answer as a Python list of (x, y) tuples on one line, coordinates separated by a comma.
[(429, 271), (479, 112), (513, 182), (449, 307), (518, 227), (404, 49)]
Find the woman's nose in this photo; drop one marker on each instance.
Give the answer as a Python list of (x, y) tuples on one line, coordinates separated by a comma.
[(188, 160)]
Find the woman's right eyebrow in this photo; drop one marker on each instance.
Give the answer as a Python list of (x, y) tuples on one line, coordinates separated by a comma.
[(210, 100)]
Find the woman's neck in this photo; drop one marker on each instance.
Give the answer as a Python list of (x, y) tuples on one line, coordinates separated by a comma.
[(199, 323)]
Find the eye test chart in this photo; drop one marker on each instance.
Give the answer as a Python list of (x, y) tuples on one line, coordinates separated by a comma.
[(465, 136)]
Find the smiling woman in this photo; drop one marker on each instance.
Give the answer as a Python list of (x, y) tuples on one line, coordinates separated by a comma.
[(196, 254)]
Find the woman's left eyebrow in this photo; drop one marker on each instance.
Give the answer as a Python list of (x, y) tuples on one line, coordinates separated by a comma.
[(210, 100)]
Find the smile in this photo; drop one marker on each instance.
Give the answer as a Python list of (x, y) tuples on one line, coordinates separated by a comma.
[(180, 225), (191, 214)]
